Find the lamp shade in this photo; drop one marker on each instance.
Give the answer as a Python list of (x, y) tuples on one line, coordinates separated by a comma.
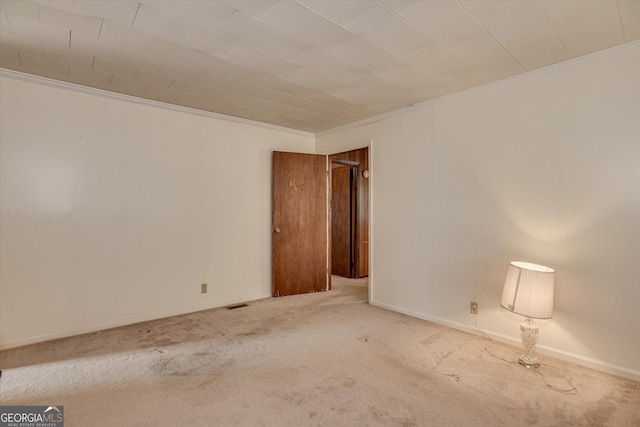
[(528, 290)]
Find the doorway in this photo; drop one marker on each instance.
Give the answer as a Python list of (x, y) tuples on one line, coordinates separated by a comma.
[(350, 213)]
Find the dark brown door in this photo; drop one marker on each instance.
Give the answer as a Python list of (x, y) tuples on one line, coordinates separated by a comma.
[(360, 242), (341, 226), (299, 228)]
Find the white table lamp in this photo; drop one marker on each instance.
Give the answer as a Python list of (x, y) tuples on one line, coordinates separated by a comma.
[(528, 291)]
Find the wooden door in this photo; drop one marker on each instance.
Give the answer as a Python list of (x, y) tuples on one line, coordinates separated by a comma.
[(341, 224), (300, 224)]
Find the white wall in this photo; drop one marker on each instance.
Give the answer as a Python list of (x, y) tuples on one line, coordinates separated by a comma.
[(542, 168), (114, 212)]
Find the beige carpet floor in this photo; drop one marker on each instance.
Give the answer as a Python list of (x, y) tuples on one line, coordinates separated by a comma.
[(317, 359)]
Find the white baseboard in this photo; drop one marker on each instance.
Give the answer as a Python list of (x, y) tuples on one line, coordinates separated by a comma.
[(559, 354), (100, 327)]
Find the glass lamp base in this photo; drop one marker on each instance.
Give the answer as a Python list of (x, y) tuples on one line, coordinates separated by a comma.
[(529, 361), (529, 334)]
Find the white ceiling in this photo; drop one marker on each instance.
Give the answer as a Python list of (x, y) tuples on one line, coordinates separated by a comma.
[(306, 65)]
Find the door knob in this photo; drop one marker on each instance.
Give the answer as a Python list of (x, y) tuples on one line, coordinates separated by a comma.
[(276, 230)]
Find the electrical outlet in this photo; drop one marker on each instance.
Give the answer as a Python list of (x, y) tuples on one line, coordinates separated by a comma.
[(473, 307), (203, 288)]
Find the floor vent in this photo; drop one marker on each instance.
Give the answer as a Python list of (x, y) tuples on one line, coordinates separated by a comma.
[(233, 307)]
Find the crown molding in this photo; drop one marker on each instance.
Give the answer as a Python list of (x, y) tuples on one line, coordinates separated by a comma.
[(488, 86), (17, 75)]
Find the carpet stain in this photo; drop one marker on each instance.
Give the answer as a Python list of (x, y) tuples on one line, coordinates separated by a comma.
[(348, 383), (531, 417), (559, 413), (384, 418), (406, 421), (431, 339), (190, 365), (165, 342), (628, 393), (378, 415), (455, 377), (255, 332), (602, 411), (444, 355)]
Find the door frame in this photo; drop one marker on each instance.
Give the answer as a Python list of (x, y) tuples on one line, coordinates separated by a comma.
[(342, 149)]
